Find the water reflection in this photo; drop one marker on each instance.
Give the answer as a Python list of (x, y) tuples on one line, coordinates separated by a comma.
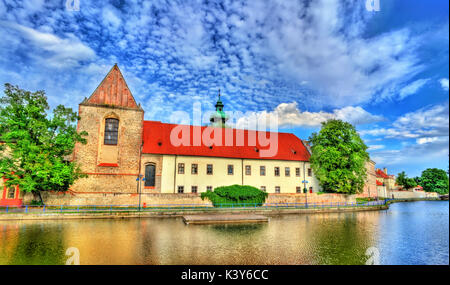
[(343, 238)]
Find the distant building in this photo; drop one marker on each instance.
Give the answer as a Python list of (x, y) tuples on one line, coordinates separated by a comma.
[(385, 179)]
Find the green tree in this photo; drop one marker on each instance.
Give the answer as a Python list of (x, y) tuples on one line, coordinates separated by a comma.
[(435, 180), (36, 146), (338, 157), (405, 181)]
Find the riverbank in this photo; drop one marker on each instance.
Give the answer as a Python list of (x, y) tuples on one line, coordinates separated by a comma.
[(148, 213), (56, 213)]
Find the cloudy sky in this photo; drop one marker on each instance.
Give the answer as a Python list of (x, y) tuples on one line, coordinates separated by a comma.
[(305, 61)]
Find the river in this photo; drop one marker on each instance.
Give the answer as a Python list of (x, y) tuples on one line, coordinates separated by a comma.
[(407, 233)]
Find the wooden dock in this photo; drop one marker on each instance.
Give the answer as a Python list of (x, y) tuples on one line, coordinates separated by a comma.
[(224, 219)]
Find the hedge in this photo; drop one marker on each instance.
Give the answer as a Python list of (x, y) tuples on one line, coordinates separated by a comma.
[(229, 196)]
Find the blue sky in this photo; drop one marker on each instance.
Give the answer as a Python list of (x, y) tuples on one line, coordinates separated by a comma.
[(305, 61)]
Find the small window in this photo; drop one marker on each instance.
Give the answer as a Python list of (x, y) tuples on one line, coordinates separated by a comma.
[(309, 172), (149, 175), (277, 189), (277, 171), (180, 189), (194, 189), (262, 170), (194, 168), (11, 192), (111, 131), (248, 170), (209, 169), (287, 171), (263, 188), (298, 189), (230, 169), (297, 171), (208, 188), (180, 168)]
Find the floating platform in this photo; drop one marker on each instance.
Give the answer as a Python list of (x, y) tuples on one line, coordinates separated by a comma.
[(224, 219)]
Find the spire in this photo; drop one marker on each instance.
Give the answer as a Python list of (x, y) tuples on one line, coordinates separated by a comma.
[(219, 105), (218, 118), (113, 90)]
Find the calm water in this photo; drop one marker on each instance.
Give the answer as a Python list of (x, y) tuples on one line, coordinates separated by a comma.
[(407, 233)]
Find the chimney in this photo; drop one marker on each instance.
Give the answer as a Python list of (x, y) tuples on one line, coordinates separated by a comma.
[(385, 170)]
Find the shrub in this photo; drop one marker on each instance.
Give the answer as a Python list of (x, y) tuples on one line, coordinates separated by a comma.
[(235, 194)]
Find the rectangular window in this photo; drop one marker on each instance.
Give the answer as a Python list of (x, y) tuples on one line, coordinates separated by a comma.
[(149, 175), (180, 168), (309, 172), (194, 168), (180, 189), (111, 131), (262, 170), (230, 169), (277, 171), (11, 192), (277, 189), (263, 188), (208, 188), (209, 169), (287, 171), (298, 189), (194, 189), (248, 170), (297, 171)]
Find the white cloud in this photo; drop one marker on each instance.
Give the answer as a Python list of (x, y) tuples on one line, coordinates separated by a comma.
[(288, 114), (50, 49), (412, 88), (444, 83), (422, 123), (426, 140), (376, 147)]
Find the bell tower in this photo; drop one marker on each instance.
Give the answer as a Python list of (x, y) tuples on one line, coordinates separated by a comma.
[(219, 118)]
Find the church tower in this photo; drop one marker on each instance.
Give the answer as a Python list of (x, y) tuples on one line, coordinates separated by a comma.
[(219, 118), (113, 121)]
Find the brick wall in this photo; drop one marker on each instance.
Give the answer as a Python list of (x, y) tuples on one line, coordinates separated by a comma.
[(91, 155)]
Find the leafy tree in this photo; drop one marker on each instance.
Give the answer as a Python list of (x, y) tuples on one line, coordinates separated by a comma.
[(338, 157), (435, 180), (405, 181), (36, 146)]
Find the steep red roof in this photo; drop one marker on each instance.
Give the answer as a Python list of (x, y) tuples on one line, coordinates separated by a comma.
[(380, 173), (113, 90), (156, 137)]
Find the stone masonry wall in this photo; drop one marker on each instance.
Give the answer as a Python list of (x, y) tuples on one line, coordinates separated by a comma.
[(106, 179), (170, 198)]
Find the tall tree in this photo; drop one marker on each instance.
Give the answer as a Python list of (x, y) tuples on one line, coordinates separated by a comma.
[(405, 181), (338, 157), (435, 180), (36, 146)]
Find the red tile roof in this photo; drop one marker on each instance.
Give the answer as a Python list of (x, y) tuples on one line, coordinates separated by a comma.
[(380, 173), (379, 183), (113, 90), (156, 138)]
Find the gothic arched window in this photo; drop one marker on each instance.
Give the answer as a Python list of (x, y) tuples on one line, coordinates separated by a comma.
[(111, 131), (150, 175)]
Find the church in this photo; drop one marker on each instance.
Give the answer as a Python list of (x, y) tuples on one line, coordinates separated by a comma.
[(126, 156)]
